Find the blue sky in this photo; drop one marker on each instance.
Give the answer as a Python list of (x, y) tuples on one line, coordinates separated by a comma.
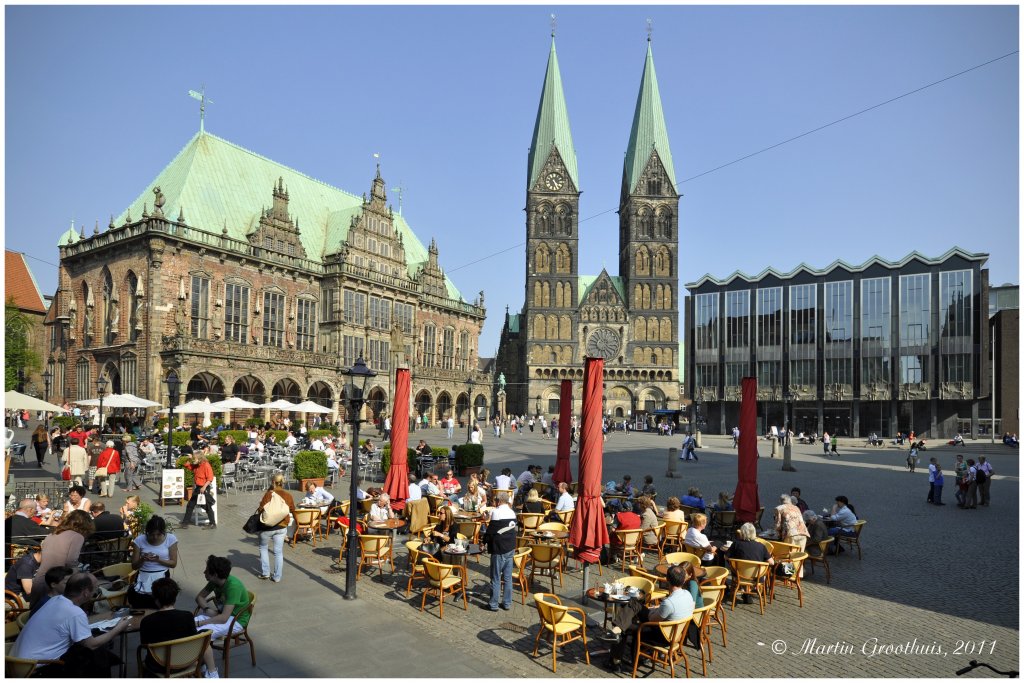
[(97, 105)]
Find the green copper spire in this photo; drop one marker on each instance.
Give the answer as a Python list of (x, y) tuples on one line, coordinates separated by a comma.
[(648, 133), (552, 127)]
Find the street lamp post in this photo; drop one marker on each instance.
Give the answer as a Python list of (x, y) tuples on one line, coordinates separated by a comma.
[(173, 385), (47, 378), (536, 411), (358, 376), (696, 422), (787, 448), (470, 419), (101, 390)]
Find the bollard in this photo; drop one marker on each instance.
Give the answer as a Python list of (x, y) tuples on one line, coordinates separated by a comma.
[(673, 457), (775, 447), (697, 441)]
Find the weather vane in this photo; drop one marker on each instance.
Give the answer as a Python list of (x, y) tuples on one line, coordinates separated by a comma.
[(399, 189), (554, 25), (376, 155), (650, 29), (201, 96)]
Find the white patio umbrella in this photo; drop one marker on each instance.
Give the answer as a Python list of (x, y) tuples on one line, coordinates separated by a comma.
[(207, 422), (232, 403), (193, 406), (13, 399), (279, 404), (119, 401), (142, 402), (311, 407)]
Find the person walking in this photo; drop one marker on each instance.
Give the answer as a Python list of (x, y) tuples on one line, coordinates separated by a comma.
[(275, 519), (451, 427), (132, 466), (932, 466), (501, 544), (835, 446), (984, 479), (826, 441), (41, 442), (939, 481), (960, 470), (202, 474), (971, 500)]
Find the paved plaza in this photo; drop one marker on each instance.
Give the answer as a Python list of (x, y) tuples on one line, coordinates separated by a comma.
[(934, 586)]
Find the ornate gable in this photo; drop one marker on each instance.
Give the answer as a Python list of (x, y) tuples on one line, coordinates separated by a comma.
[(654, 181), (373, 242), (554, 177), (276, 232)]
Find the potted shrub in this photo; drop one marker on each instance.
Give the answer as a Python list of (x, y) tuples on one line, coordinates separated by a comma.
[(469, 458), (310, 466)]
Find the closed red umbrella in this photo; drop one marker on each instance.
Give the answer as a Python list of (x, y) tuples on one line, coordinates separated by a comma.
[(562, 470), (397, 483), (589, 533), (745, 500)]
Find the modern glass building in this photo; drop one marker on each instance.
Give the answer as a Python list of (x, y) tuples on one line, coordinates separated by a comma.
[(882, 347)]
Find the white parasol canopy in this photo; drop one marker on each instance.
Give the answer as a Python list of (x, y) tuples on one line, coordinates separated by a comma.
[(193, 406), (13, 399), (232, 403), (311, 407), (119, 401), (142, 402), (279, 404), (207, 422)]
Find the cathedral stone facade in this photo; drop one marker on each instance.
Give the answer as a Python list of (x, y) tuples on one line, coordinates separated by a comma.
[(630, 319), (248, 278)]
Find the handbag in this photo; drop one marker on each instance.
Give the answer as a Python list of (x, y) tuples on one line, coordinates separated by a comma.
[(101, 471), (65, 473), (252, 525)]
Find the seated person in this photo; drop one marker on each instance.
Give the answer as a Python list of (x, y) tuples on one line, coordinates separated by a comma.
[(415, 492), (843, 519), (648, 519), (223, 597), (19, 576), (695, 537), (444, 532), (648, 487), (672, 511), (817, 531), (533, 503), (475, 499), (290, 441), (747, 548), (723, 504), (565, 501), (694, 499), (678, 605), (430, 485), (423, 449), (800, 502), (625, 520), (318, 494), (108, 524), (60, 630), (44, 514), (549, 476), (19, 527), (368, 448), (381, 509), (334, 463), (450, 486), (56, 580), (168, 623), (505, 480), (626, 488), (229, 451)]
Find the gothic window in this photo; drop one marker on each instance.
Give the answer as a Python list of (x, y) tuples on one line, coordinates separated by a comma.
[(543, 221), (664, 222), (654, 357), (129, 373), (564, 220), (563, 259), (539, 327), (542, 259), (448, 349), (355, 307), (552, 327), (200, 306), (464, 350), (662, 263), (643, 261), (109, 308), (305, 325), (666, 329), (236, 312), (83, 379), (273, 319), (654, 185), (644, 222), (564, 327), (429, 345)]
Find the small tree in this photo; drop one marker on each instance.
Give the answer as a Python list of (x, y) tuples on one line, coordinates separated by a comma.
[(18, 355)]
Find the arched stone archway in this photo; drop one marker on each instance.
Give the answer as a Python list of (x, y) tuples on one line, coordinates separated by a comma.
[(321, 394), (250, 388), (444, 405), (288, 390), (424, 403), (376, 403), (112, 374), (205, 385), (461, 406)]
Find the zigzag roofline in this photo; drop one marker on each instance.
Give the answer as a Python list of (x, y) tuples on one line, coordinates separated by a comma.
[(839, 263)]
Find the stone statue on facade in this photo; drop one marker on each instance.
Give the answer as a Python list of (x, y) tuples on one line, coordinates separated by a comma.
[(501, 381), (73, 320), (158, 202), (179, 318)]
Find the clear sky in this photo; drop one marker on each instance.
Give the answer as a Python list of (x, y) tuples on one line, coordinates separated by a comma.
[(97, 105)]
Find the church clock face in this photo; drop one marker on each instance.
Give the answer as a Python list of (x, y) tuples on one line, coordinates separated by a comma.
[(602, 343), (554, 182)]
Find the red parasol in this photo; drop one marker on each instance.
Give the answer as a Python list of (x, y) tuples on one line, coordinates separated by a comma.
[(562, 470), (589, 533), (397, 483), (745, 501)]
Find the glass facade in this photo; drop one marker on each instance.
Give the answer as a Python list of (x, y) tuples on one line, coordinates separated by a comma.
[(706, 375), (838, 347), (706, 322), (737, 320), (769, 317), (956, 325), (803, 314), (915, 328), (734, 372)]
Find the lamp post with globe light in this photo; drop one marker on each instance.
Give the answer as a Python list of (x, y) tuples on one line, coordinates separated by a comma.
[(358, 376)]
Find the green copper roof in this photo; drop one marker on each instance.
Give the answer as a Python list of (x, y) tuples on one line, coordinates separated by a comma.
[(585, 282), (69, 237), (648, 132), (552, 127), (217, 184), (513, 324)]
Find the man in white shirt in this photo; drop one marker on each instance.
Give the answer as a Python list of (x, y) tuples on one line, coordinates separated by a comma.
[(451, 426), (415, 492), (504, 480), (843, 520), (387, 428), (317, 445), (290, 441), (565, 501), (60, 625)]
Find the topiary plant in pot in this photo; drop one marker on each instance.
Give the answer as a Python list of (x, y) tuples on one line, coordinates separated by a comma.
[(310, 466)]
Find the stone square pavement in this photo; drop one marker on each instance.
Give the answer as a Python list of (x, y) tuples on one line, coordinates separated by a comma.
[(937, 586)]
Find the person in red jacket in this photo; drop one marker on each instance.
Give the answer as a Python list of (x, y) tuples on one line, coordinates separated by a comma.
[(203, 475), (110, 459)]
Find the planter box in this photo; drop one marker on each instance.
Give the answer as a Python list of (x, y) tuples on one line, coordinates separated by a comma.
[(469, 469)]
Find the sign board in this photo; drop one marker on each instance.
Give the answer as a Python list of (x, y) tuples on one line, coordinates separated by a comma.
[(172, 485)]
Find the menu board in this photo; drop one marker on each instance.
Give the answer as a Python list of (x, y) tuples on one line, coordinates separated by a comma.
[(173, 485)]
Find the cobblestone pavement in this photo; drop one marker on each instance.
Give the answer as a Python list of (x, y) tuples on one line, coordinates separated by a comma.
[(942, 579)]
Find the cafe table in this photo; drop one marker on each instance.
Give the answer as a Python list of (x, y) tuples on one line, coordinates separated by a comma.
[(461, 558), (391, 525), (136, 616), (613, 601)]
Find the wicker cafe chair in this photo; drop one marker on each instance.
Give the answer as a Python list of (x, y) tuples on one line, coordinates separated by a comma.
[(565, 516), (529, 521), (674, 534), (13, 605), (233, 639), (416, 569), (546, 558), (334, 514), (853, 541), (714, 576), (443, 579), (641, 582), (693, 550), (179, 658), (781, 551), (665, 655), (657, 594), (307, 522), (469, 529), (822, 559), (16, 667), (723, 522), (751, 579), (659, 543), (679, 558), (374, 550), (793, 580), (519, 560), (702, 618), (715, 595), (558, 620), (629, 545)]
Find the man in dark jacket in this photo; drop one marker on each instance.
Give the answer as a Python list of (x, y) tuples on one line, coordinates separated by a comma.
[(501, 544), (19, 527), (108, 524)]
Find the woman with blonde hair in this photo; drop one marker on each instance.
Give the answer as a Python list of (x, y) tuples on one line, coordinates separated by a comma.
[(274, 532), (62, 548), (533, 503), (131, 520), (695, 536), (475, 499)]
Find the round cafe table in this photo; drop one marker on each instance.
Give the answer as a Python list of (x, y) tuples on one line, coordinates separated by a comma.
[(461, 558), (391, 525), (615, 602)]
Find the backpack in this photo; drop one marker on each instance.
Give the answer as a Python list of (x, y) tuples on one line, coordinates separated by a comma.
[(980, 476), (275, 511)]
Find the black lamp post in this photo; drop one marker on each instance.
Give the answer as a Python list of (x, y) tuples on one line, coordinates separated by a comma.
[(470, 419), (173, 385), (787, 448), (358, 375), (101, 390), (47, 378), (536, 411)]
